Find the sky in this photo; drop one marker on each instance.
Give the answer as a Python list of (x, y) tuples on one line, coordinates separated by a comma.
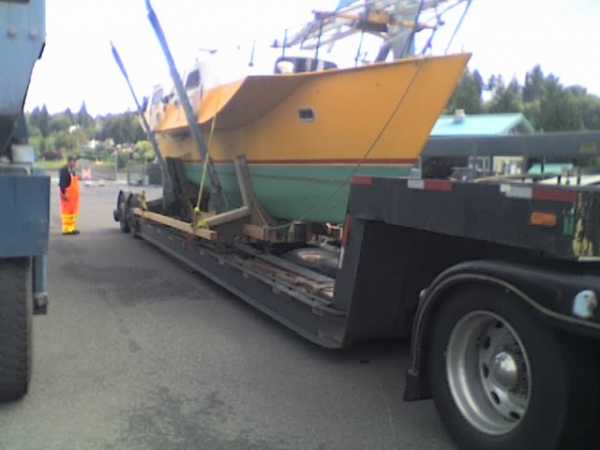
[(507, 37)]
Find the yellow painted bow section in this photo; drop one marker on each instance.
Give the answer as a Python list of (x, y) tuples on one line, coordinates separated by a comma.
[(380, 113)]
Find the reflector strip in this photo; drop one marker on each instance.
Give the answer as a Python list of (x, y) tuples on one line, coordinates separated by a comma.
[(558, 195), (416, 184), (530, 193), (438, 185), (362, 180), (516, 191), (430, 185)]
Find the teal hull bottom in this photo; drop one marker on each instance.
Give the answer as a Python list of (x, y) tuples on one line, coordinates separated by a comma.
[(311, 193)]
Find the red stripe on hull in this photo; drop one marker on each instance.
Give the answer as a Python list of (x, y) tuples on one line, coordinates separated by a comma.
[(300, 162)]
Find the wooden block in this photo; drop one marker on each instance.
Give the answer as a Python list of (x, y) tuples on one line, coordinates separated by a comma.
[(209, 235)]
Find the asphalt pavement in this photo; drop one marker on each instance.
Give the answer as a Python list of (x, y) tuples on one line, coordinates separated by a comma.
[(138, 353)]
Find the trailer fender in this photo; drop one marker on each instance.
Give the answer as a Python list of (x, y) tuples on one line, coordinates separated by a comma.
[(562, 299)]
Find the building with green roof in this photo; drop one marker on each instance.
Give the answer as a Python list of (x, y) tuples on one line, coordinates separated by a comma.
[(461, 124)]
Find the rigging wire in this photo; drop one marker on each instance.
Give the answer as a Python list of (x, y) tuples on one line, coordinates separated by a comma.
[(359, 50), (460, 22), (413, 33), (429, 44)]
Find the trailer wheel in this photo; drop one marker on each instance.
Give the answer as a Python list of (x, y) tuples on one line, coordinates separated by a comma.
[(502, 380), (123, 225), (15, 327)]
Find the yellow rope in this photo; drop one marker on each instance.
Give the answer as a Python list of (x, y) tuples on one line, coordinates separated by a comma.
[(142, 198), (198, 222)]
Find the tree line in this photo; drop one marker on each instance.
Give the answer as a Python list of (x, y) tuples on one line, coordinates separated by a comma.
[(54, 136), (543, 99)]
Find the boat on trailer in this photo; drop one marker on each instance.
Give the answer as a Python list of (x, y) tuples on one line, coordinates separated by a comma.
[(310, 125)]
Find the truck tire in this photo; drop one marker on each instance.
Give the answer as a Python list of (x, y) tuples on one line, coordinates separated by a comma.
[(501, 380), (15, 327)]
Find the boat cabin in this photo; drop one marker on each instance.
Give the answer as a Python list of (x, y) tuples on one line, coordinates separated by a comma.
[(204, 74)]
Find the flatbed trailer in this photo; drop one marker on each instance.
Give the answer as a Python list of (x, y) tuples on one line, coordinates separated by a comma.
[(496, 283)]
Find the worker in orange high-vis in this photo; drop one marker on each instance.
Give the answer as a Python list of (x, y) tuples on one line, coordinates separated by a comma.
[(69, 197)]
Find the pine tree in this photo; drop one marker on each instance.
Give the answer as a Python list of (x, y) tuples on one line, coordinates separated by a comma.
[(534, 85), (558, 108), (467, 95), (507, 99)]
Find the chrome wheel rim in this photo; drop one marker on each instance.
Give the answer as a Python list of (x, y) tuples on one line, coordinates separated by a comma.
[(488, 372)]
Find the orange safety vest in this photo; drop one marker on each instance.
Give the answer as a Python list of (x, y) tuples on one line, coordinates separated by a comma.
[(69, 207)]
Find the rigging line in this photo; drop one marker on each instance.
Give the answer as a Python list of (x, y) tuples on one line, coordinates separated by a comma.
[(429, 44), (359, 50), (413, 33), (365, 156), (285, 40), (460, 22), (319, 42)]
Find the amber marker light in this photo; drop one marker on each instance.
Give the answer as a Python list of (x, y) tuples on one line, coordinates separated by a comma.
[(542, 219)]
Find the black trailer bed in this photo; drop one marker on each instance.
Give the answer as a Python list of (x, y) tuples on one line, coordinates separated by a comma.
[(400, 234)]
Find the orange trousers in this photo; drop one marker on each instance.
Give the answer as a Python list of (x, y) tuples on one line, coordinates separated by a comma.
[(69, 206)]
